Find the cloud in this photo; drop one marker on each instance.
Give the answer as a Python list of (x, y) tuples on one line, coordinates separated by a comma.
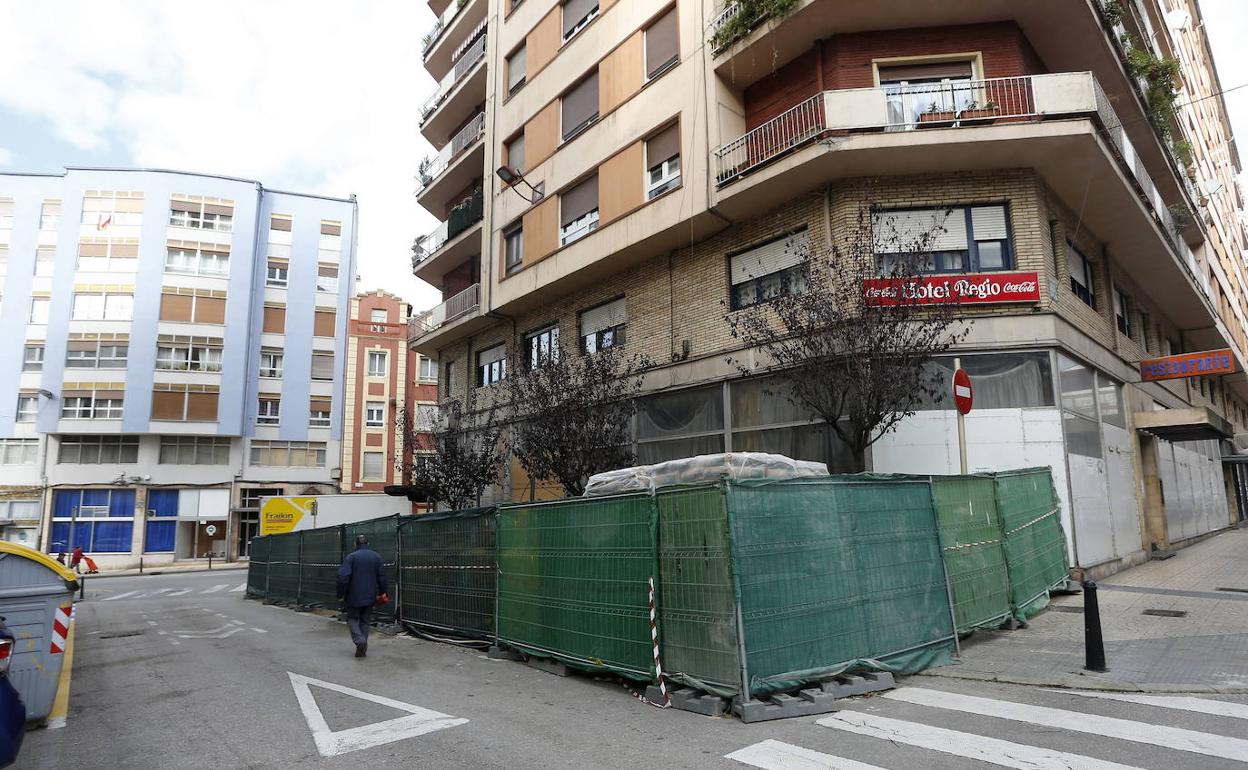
[(306, 95)]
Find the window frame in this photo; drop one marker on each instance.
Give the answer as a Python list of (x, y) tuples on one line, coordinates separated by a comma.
[(669, 179), (373, 356), (790, 281), (533, 343), (95, 359), (513, 234), (380, 475), (268, 410), (316, 449), (970, 257), (375, 414), (1122, 313), (189, 362), (198, 220), (273, 372), (34, 364), (198, 264), (1086, 294), (197, 445), (27, 414), (580, 25), (273, 281), (427, 363), (493, 372), (123, 444)]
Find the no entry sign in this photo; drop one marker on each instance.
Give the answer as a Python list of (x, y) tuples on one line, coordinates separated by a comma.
[(962, 394)]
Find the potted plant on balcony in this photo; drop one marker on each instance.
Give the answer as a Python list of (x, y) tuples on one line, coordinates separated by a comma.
[(422, 171), (937, 115), (974, 113)]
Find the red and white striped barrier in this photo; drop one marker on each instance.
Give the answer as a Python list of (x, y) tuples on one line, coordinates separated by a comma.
[(658, 664), (60, 628)]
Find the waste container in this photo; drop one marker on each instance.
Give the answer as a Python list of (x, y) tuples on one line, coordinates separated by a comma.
[(36, 601)]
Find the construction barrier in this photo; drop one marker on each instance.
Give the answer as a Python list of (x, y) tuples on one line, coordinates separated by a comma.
[(320, 557), (285, 567), (972, 541), (383, 537), (1035, 547), (258, 567), (447, 572)]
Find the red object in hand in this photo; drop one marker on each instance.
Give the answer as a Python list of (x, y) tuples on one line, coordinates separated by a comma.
[(382, 599)]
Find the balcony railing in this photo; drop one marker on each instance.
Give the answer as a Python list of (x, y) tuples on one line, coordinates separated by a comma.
[(474, 53), (782, 133), (466, 137), (440, 25), (736, 16), (458, 305), (463, 216)]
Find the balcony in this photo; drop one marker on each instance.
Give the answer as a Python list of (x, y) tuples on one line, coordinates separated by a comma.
[(452, 242), (459, 93), (458, 306), (455, 27), (453, 168), (1061, 125)]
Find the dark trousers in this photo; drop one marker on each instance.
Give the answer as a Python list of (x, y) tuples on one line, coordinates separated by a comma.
[(357, 623)]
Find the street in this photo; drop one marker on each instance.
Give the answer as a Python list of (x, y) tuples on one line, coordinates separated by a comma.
[(180, 671)]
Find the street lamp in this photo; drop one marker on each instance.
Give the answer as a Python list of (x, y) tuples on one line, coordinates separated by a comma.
[(511, 175)]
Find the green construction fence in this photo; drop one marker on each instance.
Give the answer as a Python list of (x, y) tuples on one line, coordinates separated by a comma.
[(258, 567), (285, 553), (1034, 544), (320, 557), (447, 569), (383, 537), (972, 542)]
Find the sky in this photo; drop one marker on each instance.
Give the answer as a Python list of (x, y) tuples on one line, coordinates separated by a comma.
[(305, 95)]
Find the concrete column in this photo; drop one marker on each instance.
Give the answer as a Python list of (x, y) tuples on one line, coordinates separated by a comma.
[(1155, 532)]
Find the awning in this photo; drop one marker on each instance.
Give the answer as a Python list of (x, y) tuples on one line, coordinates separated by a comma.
[(1195, 423)]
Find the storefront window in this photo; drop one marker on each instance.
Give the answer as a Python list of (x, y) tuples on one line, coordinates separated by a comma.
[(1000, 380)]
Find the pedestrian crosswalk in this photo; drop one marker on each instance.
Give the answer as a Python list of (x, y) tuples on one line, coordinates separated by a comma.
[(175, 592), (1032, 719)]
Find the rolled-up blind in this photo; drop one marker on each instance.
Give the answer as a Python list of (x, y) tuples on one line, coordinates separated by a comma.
[(331, 228), (988, 223), (662, 43), (602, 317), (516, 68), (919, 230), (579, 201), (319, 405), (490, 355), (82, 345), (167, 406), (279, 223), (201, 406), (770, 257), (932, 71), (574, 11), (322, 366), (663, 145), (215, 208), (580, 104)]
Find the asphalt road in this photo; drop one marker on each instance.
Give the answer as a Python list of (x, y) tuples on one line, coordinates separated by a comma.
[(180, 671)]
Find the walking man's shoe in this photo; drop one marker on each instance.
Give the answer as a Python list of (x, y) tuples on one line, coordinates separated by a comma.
[(360, 649)]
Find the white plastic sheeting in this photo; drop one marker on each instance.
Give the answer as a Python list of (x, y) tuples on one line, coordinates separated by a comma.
[(1193, 489), (738, 466)]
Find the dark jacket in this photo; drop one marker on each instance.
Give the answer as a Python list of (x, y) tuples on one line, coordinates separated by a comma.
[(361, 578)]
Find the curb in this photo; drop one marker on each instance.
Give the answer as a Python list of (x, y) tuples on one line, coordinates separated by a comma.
[(164, 572), (1079, 682), (59, 714)]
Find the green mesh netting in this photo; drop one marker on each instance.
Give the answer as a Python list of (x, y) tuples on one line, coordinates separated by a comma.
[(447, 571), (284, 567), (971, 540), (835, 575), (258, 566), (697, 611), (573, 581), (319, 560), (383, 537), (1035, 547)]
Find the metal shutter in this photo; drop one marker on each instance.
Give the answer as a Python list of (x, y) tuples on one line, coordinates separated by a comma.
[(603, 317), (662, 43), (988, 223), (580, 104), (579, 201), (490, 355), (771, 257), (901, 232)]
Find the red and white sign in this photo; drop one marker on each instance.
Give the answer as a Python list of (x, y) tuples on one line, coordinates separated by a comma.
[(961, 288), (963, 395), (60, 629)]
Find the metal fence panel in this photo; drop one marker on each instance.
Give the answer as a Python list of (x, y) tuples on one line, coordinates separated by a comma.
[(258, 567), (319, 561), (383, 537), (447, 568), (284, 567), (971, 540), (1035, 547)]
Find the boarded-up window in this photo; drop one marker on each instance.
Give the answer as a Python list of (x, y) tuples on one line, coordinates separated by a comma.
[(580, 105), (201, 406), (209, 310), (662, 44), (274, 320), (176, 307), (168, 406), (323, 324)]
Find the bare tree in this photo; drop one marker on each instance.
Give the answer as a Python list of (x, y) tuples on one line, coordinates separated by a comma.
[(572, 413), (467, 454), (852, 330)]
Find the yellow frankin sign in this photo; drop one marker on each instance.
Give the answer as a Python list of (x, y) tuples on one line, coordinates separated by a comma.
[(282, 514)]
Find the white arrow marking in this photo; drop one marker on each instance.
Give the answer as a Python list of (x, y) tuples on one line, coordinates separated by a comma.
[(330, 743), (190, 634), (214, 589), (238, 588), (233, 630)]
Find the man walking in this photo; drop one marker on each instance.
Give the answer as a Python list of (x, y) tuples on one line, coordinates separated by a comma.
[(361, 580)]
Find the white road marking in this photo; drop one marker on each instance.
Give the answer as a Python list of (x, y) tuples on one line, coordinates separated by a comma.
[(1218, 708), (259, 630), (1110, 727), (984, 749), (182, 592), (214, 589), (329, 743), (120, 596), (150, 594), (152, 623), (238, 622), (174, 642), (238, 588), (163, 633), (217, 633), (777, 755)]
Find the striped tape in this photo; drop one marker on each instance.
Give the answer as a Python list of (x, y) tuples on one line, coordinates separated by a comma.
[(60, 629)]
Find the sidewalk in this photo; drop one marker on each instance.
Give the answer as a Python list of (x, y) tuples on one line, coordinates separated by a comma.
[(171, 568), (1205, 650)]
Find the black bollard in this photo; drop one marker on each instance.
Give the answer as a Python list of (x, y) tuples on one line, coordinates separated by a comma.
[(82, 587), (1092, 639)]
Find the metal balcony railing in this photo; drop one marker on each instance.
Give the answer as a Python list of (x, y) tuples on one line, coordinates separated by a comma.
[(787, 130), (440, 25), (458, 305), (474, 53), (466, 137), (463, 216)]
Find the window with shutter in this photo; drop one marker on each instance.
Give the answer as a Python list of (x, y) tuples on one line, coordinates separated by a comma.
[(603, 326), (773, 269), (662, 44), (201, 406), (578, 211), (515, 70), (274, 319), (168, 405), (209, 310), (577, 14), (955, 239), (580, 106), (1080, 268), (663, 161), (322, 366), (323, 323), (374, 462), (491, 365)]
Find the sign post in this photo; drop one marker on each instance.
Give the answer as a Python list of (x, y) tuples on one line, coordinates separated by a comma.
[(963, 397)]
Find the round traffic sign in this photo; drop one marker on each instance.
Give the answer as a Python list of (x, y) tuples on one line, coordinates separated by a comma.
[(962, 395), (211, 529)]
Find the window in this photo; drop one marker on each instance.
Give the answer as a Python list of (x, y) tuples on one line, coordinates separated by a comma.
[(323, 322), (50, 214), (1081, 272), (379, 316), (288, 454), (577, 14), (19, 451), (94, 450), (542, 347), (39, 307), (276, 274), (515, 153), (513, 248), (201, 216), (32, 358), (109, 210), (603, 326), (27, 408), (376, 363), (1122, 313), (663, 161), (322, 366), (194, 450), (184, 405), (680, 423), (959, 239), (373, 464), (578, 211), (491, 365), (331, 236), (319, 413), (515, 70), (428, 369), (269, 411), (580, 106), (188, 358), (448, 372), (327, 278), (89, 404), (192, 308), (662, 45), (249, 497), (197, 261), (90, 354), (274, 320), (375, 414), (270, 364), (426, 417), (45, 262), (106, 306), (914, 89), (111, 256), (774, 269)]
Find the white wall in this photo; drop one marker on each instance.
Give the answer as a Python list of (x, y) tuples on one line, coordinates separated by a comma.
[(1193, 488)]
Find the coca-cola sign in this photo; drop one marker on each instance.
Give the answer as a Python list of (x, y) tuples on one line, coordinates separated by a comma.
[(960, 288)]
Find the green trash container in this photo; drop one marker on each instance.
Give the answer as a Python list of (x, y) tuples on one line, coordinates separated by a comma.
[(36, 602)]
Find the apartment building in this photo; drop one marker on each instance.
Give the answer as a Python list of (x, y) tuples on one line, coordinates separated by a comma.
[(174, 352), (629, 173), (389, 386)]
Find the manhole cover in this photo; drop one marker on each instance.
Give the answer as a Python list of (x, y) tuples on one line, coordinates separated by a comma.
[(1067, 608), (1236, 590), (121, 635), (1166, 613)]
